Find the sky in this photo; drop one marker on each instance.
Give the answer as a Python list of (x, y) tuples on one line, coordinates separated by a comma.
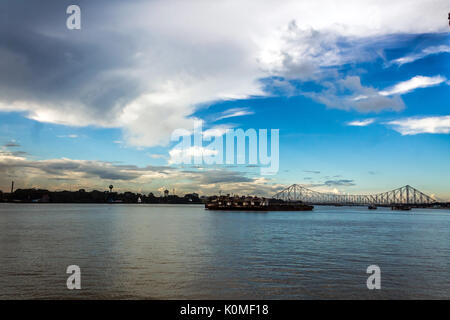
[(358, 91)]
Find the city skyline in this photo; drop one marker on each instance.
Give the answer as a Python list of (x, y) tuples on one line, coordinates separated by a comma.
[(357, 91)]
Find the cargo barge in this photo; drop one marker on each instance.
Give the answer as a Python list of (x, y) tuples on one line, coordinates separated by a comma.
[(254, 204)]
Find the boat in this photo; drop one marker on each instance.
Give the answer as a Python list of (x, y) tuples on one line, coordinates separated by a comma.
[(372, 207), (237, 203)]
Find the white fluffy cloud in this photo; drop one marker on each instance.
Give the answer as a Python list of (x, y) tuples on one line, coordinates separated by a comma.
[(71, 136), (422, 54), (235, 112), (412, 84), (178, 154), (361, 123), (146, 67), (216, 131), (412, 126)]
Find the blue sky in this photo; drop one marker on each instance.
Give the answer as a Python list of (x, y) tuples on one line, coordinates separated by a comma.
[(359, 111)]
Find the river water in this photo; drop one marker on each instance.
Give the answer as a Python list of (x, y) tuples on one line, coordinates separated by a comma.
[(185, 252)]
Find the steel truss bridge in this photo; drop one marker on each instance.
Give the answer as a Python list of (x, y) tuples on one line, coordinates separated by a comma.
[(406, 195)]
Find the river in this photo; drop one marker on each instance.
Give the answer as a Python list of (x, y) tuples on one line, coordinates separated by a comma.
[(143, 251)]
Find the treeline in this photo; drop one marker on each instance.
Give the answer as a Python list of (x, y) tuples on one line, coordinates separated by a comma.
[(95, 196)]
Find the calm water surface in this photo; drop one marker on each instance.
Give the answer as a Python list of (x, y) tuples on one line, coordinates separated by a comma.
[(184, 252)]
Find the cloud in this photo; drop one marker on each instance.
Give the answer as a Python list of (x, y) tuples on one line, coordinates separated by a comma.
[(82, 169), (71, 136), (328, 186), (361, 123), (13, 153), (234, 112), (304, 52), (58, 174), (178, 154), (325, 186), (11, 145), (221, 176), (342, 182), (349, 94), (216, 131), (312, 171), (147, 67), (412, 126), (422, 54), (157, 156), (412, 84)]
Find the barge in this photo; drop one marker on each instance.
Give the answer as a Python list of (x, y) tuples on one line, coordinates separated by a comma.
[(237, 203)]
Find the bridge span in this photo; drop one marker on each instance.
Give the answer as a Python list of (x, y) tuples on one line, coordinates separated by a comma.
[(406, 195)]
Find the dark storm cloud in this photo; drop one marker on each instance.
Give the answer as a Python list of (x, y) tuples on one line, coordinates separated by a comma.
[(42, 61), (134, 60), (127, 65)]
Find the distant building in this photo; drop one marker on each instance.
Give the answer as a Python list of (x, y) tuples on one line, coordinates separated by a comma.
[(166, 193), (192, 197)]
